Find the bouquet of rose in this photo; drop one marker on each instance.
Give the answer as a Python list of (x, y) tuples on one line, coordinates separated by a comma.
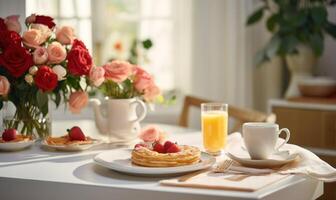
[(122, 80), (45, 62)]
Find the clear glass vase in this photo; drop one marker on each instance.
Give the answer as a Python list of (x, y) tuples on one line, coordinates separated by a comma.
[(27, 119)]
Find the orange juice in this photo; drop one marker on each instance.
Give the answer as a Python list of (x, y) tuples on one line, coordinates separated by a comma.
[(214, 128)]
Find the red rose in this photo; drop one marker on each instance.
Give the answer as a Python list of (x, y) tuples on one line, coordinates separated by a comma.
[(45, 78), (45, 20), (77, 44), (79, 59), (16, 59), (3, 26), (8, 38)]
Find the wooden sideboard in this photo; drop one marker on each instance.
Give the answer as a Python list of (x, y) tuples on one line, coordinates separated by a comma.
[(312, 126)]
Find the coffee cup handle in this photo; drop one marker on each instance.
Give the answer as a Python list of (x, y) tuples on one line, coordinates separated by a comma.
[(286, 139)]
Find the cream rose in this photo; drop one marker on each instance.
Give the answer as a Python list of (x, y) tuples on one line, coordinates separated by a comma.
[(65, 35), (56, 53), (60, 71), (32, 38)]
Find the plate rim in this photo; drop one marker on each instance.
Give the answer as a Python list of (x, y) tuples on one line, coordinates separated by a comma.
[(73, 147), (16, 145), (264, 162), (141, 170)]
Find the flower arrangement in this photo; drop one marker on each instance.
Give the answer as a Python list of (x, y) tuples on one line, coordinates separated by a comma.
[(45, 62), (122, 80)]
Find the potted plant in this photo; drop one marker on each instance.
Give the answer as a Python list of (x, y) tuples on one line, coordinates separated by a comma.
[(298, 29)]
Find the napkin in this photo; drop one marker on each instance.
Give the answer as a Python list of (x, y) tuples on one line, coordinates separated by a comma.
[(237, 182), (308, 164)]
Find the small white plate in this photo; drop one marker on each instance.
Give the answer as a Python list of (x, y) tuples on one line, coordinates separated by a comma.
[(275, 160), (120, 160), (71, 147), (16, 146)]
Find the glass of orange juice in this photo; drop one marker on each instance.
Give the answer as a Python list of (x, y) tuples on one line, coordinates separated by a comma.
[(214, 127)]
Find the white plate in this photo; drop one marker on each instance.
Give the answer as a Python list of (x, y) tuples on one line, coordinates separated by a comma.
[(16, 146), (275, 160), (120, 160), (71, 147)]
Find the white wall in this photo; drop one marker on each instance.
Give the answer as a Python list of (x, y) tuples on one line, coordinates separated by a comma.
[(13, 7), (327, 63)]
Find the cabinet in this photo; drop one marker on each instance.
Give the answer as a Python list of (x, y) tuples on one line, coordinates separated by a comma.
[(312, 126)]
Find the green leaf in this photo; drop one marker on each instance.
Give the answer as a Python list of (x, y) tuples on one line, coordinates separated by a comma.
[(260, 57), (316, 42), (319, 14), (147, 44), (330, 28), (273, 46), (42, 99), (44, 109), (271, 22), (256, 16), (57, 99)]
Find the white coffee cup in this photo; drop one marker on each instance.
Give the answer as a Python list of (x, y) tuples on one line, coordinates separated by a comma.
[(260, 139)]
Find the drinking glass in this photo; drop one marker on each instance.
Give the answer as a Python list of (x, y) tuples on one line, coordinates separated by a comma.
[(214, 127)]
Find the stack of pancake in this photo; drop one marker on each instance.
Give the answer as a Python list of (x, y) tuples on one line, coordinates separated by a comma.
[(65, 140), (187, 155)]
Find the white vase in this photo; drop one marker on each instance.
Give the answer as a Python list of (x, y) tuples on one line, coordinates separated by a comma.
[(300, 66), (117, 118)]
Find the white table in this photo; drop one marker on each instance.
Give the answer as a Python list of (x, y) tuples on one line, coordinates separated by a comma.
[(48, 175)]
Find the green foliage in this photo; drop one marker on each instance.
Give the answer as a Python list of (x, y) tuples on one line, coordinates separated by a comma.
[(256, 16), (293, 23)]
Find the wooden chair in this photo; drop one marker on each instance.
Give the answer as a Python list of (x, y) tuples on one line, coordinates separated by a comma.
[(239, 115)]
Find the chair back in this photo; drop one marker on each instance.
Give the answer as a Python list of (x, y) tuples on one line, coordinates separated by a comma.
[(240, 115)]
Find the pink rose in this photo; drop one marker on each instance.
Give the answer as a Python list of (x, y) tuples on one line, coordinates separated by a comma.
[(13, 24), (151, 93), (150, 134), (117, 71), (142, 79), (77, 101), (33, 38), (65, 35), (4, 86), (96, 76), (56, 53), (40, 55)]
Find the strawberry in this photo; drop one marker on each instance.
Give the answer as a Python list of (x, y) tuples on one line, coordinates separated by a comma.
[(140, 145), (167, 144), (9, 134), (158, 148), (75, 133), (173, 149)]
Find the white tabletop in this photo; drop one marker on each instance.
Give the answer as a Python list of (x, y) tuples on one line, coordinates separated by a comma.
[(39, 174)]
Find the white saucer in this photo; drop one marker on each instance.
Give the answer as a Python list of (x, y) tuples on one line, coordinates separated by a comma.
[(275, 160), (16, 146), (71, 147), (120, 160)]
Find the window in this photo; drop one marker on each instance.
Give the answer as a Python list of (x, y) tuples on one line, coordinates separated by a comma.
[(109, 27), (75, 13)]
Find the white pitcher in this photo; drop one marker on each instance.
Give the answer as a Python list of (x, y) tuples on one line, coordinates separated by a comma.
[(117, 118)]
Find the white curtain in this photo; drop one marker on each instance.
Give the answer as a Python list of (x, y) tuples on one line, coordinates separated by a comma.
[(222, 51)]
